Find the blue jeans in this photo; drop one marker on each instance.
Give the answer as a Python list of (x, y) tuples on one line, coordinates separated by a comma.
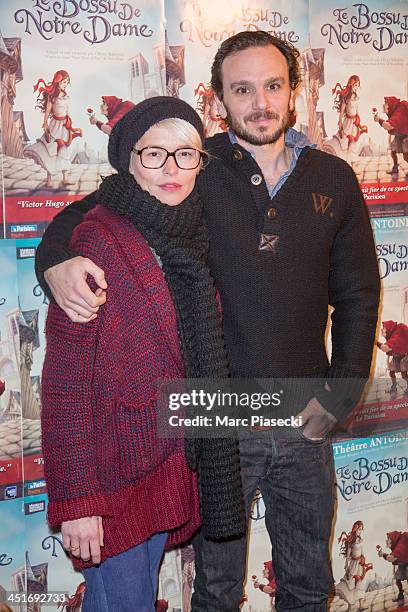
[(296, 479), (126, 582)]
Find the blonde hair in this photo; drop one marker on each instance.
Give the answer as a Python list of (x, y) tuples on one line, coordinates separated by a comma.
[(181, 129)]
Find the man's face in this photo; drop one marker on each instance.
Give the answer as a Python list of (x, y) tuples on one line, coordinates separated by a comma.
[(256, 94), (265, 572)]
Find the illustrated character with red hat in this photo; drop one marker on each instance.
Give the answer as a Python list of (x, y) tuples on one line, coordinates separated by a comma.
[(397, 541), (114, 109), (397, 126), (270, 587), (396, 347)]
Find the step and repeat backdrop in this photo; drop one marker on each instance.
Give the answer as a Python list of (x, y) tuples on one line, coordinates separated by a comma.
[(105, 54)]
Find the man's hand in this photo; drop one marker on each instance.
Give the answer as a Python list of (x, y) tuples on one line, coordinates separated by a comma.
[(83, 538), (67, 282), (318, 421)]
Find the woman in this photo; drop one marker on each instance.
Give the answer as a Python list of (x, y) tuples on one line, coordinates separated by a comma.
[(352, 586), (346, 103), (121, 492), (351, 136), (54, 151)]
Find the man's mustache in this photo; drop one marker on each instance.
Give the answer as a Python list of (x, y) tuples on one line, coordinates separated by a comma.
[(261, 115)]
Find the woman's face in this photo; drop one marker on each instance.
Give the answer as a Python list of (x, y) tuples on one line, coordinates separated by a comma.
[(169, 184), (355, 86), (64, 84)]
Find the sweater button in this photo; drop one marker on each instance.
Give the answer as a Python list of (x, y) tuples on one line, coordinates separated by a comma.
[(256, 179), (238, 154), (272, 213)]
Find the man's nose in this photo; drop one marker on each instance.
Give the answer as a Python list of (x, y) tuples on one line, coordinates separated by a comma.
[(260, 100)]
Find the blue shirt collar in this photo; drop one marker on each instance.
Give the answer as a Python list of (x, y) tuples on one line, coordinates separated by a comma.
[(298, 141), (293, 138)]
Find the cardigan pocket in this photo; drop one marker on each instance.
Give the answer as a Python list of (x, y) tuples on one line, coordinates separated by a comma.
[(142, 451)]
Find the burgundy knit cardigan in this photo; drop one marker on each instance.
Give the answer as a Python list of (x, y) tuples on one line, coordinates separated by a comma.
[(99, 386)]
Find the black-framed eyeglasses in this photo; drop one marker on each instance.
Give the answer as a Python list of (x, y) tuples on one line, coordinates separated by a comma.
[(154, 158)]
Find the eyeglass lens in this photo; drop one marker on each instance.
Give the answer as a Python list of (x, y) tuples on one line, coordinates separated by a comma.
[(156, 157)]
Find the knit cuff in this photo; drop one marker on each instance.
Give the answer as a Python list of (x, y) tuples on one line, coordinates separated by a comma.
[(344, 393), (77, 507)]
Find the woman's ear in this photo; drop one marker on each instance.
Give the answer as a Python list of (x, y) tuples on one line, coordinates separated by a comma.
[(205, 160)]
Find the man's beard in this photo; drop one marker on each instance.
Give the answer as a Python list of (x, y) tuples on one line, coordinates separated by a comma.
[(262, 138)]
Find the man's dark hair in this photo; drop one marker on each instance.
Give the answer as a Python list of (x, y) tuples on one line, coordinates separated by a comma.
[(246, 40)]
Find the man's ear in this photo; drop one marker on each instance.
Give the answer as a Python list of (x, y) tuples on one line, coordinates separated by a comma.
[(221, 110), (292, 98)]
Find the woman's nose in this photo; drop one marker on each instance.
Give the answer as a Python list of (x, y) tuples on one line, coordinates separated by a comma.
[(170, 167)]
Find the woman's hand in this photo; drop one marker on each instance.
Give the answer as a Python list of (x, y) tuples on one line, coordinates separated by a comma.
[(83, 538)]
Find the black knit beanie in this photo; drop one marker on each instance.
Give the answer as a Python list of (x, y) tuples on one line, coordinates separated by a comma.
[(136, 122)]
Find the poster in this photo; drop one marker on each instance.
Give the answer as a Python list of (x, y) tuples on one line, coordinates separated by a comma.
[(48, 567), (363, 61), (385, 402), (33, 312), (54, 150), (260, 583), (196, 28), (12, 550), (10, 397), (119, 50), (372, 501)]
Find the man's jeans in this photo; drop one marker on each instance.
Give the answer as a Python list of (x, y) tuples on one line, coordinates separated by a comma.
[(126, 582), (296, 479)]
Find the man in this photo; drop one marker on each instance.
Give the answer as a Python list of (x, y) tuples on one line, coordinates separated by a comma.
[(397, 126), (397, 541), (270, 587), (396, 347), (114, 109), (289, 235)]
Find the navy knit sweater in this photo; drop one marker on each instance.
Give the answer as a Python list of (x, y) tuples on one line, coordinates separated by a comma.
[(279, 264)]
